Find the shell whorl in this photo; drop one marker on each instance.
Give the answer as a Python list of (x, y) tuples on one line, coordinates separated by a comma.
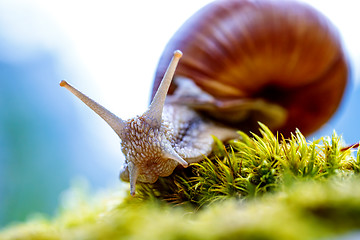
[(284, 52)]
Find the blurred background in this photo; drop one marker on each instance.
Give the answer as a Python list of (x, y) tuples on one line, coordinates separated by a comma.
[(109, 50)]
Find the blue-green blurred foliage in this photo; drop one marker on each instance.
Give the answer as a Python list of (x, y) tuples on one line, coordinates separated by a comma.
[(31, 160), (40, 137)]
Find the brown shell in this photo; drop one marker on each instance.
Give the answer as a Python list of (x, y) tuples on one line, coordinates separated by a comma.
[(282, 51)]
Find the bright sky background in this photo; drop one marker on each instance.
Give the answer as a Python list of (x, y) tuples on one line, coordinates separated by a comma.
[(115, 45), (109, 49)]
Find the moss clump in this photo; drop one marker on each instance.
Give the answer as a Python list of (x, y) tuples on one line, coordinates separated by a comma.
[(259, 187), (253, 166), (306, 210)]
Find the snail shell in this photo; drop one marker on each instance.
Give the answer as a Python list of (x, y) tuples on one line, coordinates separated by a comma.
[(257, 54)]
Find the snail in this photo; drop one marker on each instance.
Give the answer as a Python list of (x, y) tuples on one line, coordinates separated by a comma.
[(156, 142), (278, 62)]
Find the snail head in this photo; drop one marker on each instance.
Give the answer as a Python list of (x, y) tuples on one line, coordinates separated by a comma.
[(144, 139)]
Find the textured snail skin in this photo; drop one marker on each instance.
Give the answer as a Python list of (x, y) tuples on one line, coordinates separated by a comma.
[(282, 52), (163, 137)]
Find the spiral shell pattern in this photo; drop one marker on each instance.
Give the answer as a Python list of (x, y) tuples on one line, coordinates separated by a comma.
[(284, 52)]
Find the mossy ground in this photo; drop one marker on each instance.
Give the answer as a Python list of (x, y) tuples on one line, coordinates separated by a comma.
[(256, 187)]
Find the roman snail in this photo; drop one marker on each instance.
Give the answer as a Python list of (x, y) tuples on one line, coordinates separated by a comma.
[(278, 62)]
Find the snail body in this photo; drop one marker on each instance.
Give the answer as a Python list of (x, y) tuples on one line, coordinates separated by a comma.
[(277, 62), (162, 138)]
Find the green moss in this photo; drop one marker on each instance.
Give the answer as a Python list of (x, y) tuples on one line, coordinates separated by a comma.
[(259, 187), (252, 166)]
